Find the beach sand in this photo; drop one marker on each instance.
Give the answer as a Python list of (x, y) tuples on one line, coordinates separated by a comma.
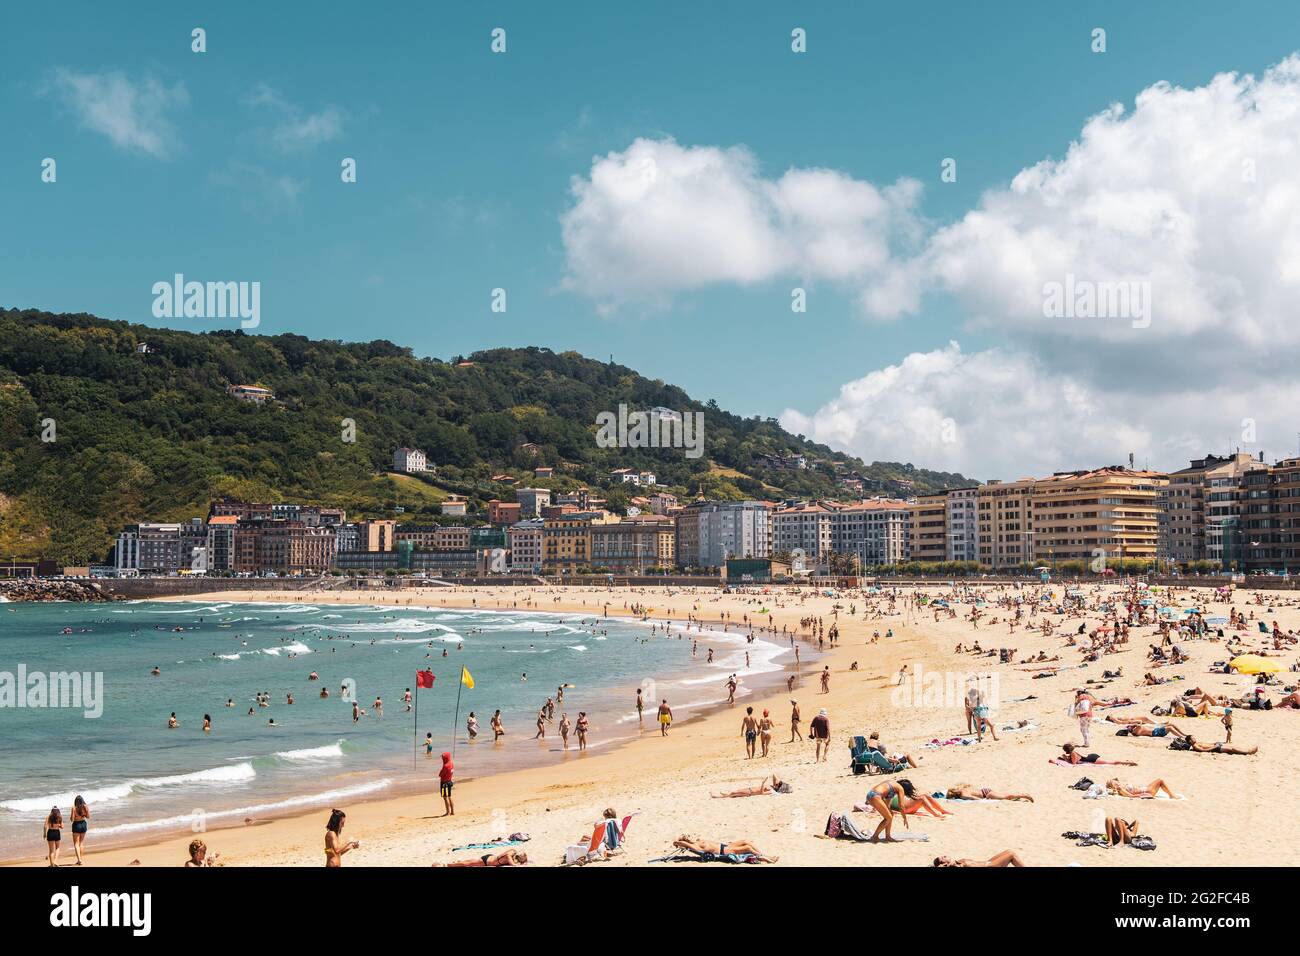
[(1233, 810)]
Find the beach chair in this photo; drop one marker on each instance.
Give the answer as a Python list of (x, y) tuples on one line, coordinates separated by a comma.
[(866, 760)]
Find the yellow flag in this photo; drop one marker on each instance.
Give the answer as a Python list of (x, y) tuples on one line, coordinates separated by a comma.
[(466, 678)]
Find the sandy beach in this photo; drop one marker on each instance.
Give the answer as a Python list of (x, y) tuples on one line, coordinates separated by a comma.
[(1227, 812)]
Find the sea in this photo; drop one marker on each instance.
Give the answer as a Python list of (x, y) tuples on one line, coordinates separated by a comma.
[(142, 779)]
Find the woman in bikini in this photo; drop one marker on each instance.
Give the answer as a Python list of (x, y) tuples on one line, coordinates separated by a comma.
[(80, 824), (1115, 788), (335, 846), (1005, 858), (508, 857), (881, 797), (53, 834), (964, 791), (762, 789)]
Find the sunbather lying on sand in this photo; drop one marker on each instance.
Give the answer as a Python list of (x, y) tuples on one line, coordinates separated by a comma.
[(1118, 831), (718, 848), (964, 791), (762, 789), (1072, 756), (1005, 858), (1187, 742), (1113, 786), (509, 857)]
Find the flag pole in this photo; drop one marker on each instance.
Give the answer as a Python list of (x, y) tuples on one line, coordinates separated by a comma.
[(455, 721)]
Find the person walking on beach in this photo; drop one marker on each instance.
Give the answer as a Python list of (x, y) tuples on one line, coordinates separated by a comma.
[(335, 846), (471, 725), (541, 723), (665, 718), (820, 731), (731, 689), (1083, 710), (80, 824), (640, 707), (582, 730), (749, 730), (564, 731), (826, 679), (498, 728), (765, 732), (53, 834), (794, 721), (445, 784)]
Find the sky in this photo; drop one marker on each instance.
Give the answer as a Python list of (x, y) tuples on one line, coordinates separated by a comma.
[(982, 238)]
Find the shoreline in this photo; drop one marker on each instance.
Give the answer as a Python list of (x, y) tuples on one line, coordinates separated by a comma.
[(303, 804), (669, 781)]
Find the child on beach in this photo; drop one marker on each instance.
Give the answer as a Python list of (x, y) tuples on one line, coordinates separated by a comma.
[(445, 784)]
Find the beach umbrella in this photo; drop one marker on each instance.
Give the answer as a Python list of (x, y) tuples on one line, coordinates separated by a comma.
[(1254, 664)]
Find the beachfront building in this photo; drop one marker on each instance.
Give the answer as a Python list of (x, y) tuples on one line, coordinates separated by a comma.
[(929, 528), (886, 532), (1005, 524), (631, 546), (280, 546), (410, 460), (962, 524), (1270, 525), (1226, 496), (1110, 513), (802, 530), (532, 501), (526, 546), (1197, 503), (153, 547), (566, 542), (378, 535), (712, 531)]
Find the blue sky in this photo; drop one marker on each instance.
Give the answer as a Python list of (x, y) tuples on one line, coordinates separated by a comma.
[(225, 165)]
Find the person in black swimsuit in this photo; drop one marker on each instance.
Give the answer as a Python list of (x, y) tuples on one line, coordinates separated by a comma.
[(53, 834), (80, 824)]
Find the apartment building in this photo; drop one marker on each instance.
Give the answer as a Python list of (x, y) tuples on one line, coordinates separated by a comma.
[(712, 531), (802, 530), (283, 547), (886, 532), (379, 535), (566, 543), (963, 524), (153, 547), (526, 546), (1106, 513), (632, 546), (1196, 503), (1005, 523), (1270, 524), (929, 528)]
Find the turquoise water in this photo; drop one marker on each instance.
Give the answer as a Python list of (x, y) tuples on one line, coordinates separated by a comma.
[(140, 777)]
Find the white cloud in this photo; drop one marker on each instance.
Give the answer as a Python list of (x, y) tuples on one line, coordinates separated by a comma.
[(1194, 191), (133, 114), (1002, 413), (297, 129), (660, 218)]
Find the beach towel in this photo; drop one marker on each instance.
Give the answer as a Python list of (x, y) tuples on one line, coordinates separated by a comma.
[(1012, 728), (1065, 763), (690, 856)]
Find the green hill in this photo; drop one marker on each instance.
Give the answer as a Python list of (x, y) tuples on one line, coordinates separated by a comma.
[(155, 436)]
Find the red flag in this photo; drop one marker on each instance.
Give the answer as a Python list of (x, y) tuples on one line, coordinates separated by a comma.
[(424, 678)]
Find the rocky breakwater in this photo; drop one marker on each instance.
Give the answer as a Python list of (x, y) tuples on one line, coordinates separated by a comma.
[(39, 589)]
